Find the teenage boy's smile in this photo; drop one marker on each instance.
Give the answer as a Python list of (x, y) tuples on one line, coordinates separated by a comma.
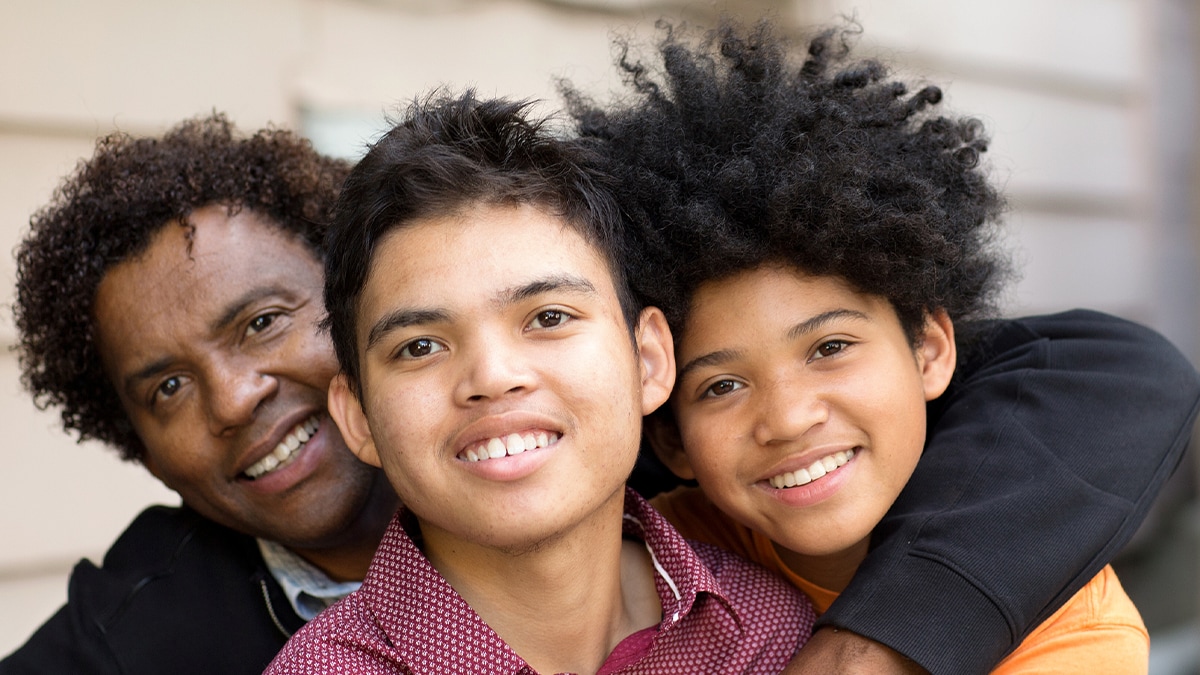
[(501, 388), (801, 405)]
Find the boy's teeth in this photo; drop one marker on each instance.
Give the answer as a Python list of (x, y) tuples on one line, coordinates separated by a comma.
[(283, 452), (512, 444), (816, 470)]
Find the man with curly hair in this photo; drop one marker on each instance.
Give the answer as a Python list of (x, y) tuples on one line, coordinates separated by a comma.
[(168, 302), (816, 232)]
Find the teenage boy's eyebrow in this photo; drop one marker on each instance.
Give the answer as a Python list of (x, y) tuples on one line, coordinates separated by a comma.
[(556, 282), (402, 318), (817, 322), (799, 330)]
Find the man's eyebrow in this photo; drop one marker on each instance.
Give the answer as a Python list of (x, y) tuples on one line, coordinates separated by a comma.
[(235, 307), (403, 318), (146, 372)]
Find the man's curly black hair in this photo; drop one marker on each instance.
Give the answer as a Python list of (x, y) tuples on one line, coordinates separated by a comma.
[(732, 154), (108, 211)]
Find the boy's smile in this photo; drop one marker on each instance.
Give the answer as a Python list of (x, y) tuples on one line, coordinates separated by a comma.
[(801, 406), (501, 389)]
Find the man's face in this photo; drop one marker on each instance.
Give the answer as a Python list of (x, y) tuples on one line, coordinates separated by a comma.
[(214, 349), (502, 393), (801, 405)]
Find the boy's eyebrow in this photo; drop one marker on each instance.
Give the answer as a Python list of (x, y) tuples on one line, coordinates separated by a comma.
[(710, 359), (809, 325), (555, 282), (803, 328), (402, 318)]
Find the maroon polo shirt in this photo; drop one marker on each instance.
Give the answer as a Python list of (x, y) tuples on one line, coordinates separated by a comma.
[(721, 614)]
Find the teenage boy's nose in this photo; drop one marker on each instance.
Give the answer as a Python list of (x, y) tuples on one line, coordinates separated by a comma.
[(787, 410), (494, 368), (235, 393)]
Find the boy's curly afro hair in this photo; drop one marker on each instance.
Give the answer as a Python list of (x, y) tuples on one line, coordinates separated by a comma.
[(731, 155), (109, 210)]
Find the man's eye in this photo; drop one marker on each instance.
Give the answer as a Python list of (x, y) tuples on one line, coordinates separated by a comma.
[(830, 348), (549, 318), (722, 388), (260, 323), (168, 388), (419, 348)]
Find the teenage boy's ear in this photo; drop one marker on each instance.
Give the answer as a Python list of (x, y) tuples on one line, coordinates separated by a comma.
[(663, 434), (656, 352), (347, 413), (937, 354)]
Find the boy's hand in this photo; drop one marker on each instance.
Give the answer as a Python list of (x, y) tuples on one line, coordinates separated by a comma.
[(841, 652)]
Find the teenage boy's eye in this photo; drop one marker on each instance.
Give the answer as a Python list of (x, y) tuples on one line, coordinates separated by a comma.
[(830, 348), (722, 388), (549, 319), (419, 348)]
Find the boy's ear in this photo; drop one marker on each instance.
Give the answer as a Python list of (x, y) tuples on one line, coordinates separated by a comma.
[(657, 354), (937, 354), (347, 413), (663, 435)]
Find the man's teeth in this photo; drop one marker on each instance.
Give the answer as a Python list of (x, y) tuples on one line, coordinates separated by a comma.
[(512, 444), (818, 469), (284, 452)]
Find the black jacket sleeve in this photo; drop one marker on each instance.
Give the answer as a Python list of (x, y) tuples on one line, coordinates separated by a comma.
[(176, 594), (1042, 459)]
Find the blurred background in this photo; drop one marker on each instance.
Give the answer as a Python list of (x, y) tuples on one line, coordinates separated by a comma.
[(1091, 103)]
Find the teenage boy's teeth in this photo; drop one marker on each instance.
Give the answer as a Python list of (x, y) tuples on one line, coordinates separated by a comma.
[(816, 470), (283, 452), (512, 444)]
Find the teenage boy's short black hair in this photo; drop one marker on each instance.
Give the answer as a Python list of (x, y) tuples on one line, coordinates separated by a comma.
[(448, 154), (107, 212), (732, 155)]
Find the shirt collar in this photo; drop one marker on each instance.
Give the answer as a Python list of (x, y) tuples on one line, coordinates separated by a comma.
[(423, 616), (308, 589)]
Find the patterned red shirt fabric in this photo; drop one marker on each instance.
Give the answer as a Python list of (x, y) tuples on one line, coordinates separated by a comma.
[(721, 614)]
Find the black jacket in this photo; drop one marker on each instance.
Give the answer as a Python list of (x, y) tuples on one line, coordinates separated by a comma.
[(177, 594), (1047, 452)]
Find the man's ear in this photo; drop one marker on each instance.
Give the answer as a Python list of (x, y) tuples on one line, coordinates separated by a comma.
[(937, 354), (347, 413), (657, 354), (663, 434)]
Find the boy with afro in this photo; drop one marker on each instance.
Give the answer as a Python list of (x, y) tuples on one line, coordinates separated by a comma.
[(817, 235)]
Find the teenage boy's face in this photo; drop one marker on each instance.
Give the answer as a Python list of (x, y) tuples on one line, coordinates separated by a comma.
[(502, 393), (801, 404)]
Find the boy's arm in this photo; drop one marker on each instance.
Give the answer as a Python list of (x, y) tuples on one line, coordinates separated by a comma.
[(1042, 460)]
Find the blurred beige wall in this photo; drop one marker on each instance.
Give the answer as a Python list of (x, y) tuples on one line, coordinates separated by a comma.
[(1067, 88)]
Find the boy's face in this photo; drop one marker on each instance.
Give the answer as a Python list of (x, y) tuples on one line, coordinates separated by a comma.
[(501, 390), (783, 373)]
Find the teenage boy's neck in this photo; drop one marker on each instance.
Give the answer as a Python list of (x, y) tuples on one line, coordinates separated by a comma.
[(564, 604)]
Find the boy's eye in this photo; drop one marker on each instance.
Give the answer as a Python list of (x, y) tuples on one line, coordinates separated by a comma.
[(830, 348), (549, 318), (419, 348), (166, 389), (722, 388)]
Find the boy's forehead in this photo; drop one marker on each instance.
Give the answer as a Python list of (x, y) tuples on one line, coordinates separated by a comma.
[(486, 234)]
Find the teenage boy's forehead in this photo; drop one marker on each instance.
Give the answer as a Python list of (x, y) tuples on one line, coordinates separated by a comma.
[(553, 255)]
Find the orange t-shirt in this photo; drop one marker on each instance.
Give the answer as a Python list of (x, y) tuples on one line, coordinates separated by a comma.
[(1097, 631)]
